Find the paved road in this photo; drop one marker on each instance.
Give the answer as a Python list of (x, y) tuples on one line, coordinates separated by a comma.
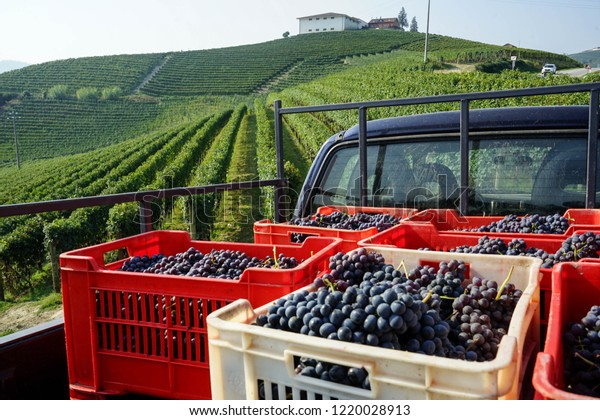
[(578, 72)]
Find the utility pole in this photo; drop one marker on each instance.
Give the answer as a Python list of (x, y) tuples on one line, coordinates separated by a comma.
[(13, 115), (427, 30)]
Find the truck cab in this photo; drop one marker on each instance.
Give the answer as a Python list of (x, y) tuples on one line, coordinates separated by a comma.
[(520, 160)]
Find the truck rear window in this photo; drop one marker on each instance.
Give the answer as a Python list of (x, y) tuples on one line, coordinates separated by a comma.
[(507, 174)]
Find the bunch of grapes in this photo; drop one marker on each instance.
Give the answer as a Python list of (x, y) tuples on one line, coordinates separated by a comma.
[(582, 354), (398, 309), (345, 221), (140, 264), (574, 248), (485, 245), (481, 318), (352, 376), (348, 269), (379, 312), (578, 246), (533, 223), (445, 287), (222, 264)]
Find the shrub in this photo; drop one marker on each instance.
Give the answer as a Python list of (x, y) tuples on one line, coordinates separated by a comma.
[(87, 94), (111, 93), (58, 92)]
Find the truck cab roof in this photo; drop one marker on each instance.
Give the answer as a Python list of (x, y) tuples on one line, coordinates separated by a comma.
[(485, 119)]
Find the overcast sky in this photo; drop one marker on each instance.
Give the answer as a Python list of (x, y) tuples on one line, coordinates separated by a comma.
[(36, 31)]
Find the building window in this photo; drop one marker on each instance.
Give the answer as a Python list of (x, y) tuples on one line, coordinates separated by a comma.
[(332, 29), (317, 18), (324, 29), (316, 30), (310, 19), (332, 17), (310, 30)]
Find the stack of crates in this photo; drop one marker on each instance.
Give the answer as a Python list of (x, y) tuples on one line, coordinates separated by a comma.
[(575, 289), (267, 232), (140, 333)]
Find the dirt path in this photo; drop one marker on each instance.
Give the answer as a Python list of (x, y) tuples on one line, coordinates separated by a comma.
[(26, 315), (150, 75)]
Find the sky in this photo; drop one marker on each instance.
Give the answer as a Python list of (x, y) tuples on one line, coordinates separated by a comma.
[(36, 31)]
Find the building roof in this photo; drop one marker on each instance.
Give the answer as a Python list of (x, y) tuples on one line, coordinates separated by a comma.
[(331, 14), (384, 20)]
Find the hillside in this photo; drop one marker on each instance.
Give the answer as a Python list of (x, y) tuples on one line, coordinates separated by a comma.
[(71, 106), (591, 57), (203, 117)]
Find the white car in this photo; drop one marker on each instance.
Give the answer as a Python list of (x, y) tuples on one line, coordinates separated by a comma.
[(549, 68)]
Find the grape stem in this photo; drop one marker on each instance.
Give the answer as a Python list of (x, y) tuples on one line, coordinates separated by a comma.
[(426, 299), (585, 360), (275, 256), (505, 283), (403, 266)]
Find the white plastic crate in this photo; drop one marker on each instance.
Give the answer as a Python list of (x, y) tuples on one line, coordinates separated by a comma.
[(243, 356)]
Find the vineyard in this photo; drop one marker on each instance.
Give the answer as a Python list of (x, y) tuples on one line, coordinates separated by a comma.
[(204, 117)]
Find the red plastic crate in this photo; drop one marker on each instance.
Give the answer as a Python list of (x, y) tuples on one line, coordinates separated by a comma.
[(425, 235), (451, 220), (576, 287), (267, 232), (142, 333)]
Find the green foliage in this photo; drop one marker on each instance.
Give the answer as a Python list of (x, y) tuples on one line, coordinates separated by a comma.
[(123, 71), (500, 66), (56, 127), (212, 170), (591, 57), (51, 301), (6, 97), (87, 94), (58, 92), (265, 151), (21, 253), (111, 93), (123, 220), (295, 180), (402, 19), (247, 69)]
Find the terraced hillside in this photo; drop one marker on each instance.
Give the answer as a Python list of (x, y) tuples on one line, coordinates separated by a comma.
[(175, 134), (121, 71), (70, 106)]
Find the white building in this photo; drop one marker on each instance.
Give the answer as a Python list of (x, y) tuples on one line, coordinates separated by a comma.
[(327, 22)]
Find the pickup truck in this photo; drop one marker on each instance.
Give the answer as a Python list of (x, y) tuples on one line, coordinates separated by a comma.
[(490, 161)]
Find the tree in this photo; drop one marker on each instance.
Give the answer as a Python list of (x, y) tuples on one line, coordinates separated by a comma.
[(402, 19), (286, 34), (413, 25)]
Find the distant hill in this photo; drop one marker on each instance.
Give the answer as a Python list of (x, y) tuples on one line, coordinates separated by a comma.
[(8, 65), (591, 57), (75, 105)]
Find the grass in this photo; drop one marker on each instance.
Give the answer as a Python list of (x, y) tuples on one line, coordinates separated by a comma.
[(39, 299), (7, 332), (51, 301), (238, 209)]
